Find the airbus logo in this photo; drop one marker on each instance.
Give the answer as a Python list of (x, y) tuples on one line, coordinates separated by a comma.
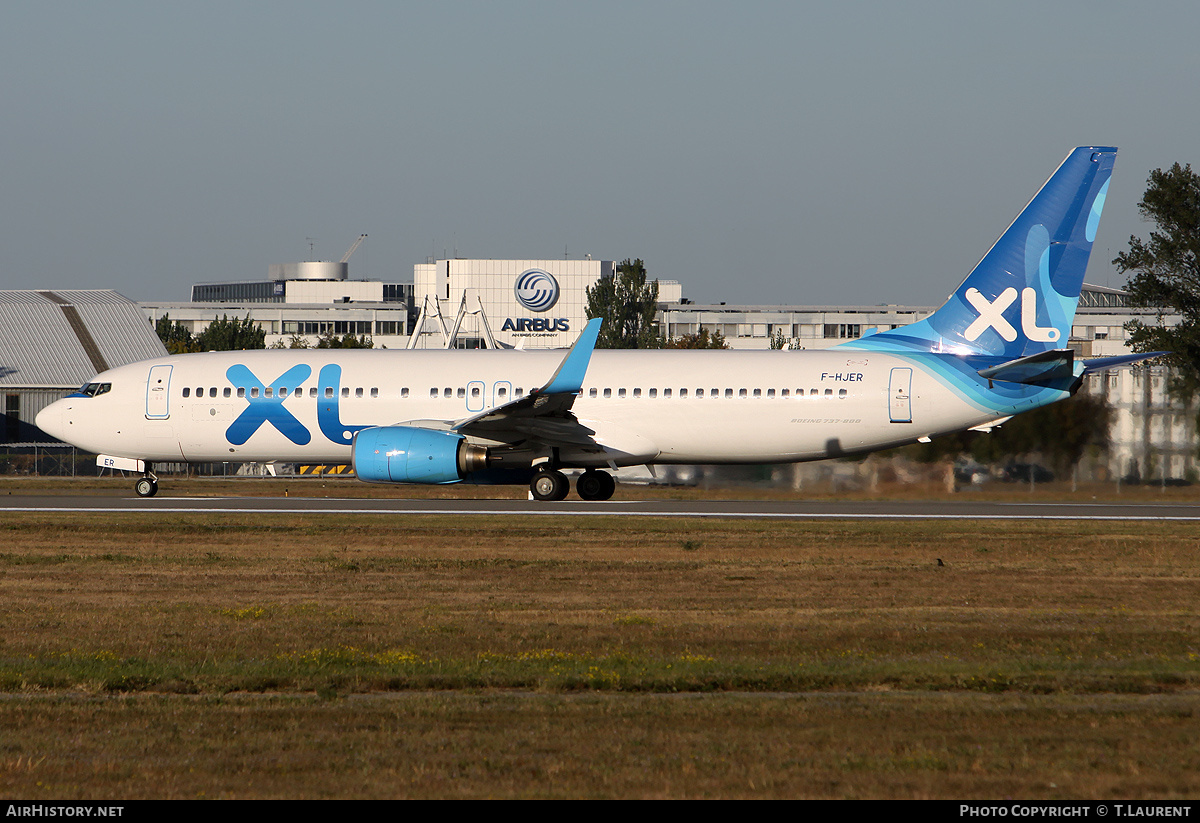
[(536, 290), (991, 316)]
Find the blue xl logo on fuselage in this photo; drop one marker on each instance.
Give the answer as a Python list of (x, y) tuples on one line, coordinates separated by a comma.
[(265, 405)]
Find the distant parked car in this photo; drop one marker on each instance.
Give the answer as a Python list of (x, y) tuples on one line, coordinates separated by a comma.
[(968, 471), (1021, 473)]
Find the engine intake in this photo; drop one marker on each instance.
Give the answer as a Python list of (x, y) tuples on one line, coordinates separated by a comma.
[(405, 454)]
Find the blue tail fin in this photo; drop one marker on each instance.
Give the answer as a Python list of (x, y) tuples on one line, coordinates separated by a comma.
[(1021, 297)]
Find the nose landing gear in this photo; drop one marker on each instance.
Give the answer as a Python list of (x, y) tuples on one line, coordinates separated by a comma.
[(147, 484)]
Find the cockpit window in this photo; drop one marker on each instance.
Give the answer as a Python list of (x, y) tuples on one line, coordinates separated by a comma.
[(94, 389)]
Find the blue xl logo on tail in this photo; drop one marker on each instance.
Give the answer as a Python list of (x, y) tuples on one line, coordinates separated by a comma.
[(1021, 297)]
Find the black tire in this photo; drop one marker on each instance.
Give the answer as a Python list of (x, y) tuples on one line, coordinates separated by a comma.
[(549, 485), (595, 485), (145, 487)]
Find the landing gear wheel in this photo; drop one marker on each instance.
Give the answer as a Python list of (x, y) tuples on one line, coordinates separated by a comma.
[(549, 485), (595, 485), (146, 487)]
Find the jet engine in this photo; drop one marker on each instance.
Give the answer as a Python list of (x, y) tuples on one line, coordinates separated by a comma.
[(406, 454)]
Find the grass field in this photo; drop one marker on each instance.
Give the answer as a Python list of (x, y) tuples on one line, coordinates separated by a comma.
[(428, 656)]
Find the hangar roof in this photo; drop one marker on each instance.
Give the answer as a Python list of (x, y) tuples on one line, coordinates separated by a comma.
[(62, 338)]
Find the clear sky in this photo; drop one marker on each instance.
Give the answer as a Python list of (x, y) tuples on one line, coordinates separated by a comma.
[(759, 152)]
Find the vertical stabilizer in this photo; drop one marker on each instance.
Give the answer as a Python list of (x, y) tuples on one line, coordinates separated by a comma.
[(1021, 297)]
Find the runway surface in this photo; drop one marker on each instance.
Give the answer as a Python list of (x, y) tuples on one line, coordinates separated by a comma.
[(773, 509)]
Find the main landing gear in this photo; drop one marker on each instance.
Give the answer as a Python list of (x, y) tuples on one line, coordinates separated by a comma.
[(550, 484)]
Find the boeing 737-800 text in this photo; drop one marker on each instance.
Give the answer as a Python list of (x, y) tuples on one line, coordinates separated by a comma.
[(996, 348)]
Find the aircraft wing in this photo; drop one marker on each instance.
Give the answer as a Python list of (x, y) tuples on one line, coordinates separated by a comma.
[(545, 413)]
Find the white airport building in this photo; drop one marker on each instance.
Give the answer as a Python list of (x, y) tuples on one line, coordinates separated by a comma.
[(469, 303)]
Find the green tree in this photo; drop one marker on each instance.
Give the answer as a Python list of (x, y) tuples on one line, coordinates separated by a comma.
[(701, 340), (231, 335), (1164, 272), (627, 303), (329, 340), (175, 336), (296, 341)]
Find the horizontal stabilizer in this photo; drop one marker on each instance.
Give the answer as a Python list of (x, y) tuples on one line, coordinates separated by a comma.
[(1036, 369), (1102, 363)]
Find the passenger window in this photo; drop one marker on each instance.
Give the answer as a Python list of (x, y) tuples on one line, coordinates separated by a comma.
[(404, 392), (187, 392), (829, 392), (667, 392), (226, 392), (770, 392), (345, 391), (241, 391), (741, 392), (520, 392), (358, 392), (683, 392), (461, 393), (591, 392), (729, 392), (812, 391), (212, 392), (433, 392), (637, 392), (447, 392), (654, 392), (841, 392), (503, 392), (783, 393), (312, 391), (620, 392), (267, 392), (254, 391), (329, 391), (608, 392)]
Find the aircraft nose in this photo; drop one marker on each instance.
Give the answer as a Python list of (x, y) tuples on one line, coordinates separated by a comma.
[(51, 420)]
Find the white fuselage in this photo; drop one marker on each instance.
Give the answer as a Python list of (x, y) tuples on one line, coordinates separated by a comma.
[(666, 406)]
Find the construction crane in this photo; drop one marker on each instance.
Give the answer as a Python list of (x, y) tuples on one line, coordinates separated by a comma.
[(353, 247)]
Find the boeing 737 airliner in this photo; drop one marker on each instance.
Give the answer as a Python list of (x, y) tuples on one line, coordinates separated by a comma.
[(996, 348)]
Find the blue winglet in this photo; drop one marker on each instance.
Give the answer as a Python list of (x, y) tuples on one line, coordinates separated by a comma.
[(569, 377)]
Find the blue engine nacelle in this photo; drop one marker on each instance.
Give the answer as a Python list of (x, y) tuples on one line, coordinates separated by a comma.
[(405, 454)]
